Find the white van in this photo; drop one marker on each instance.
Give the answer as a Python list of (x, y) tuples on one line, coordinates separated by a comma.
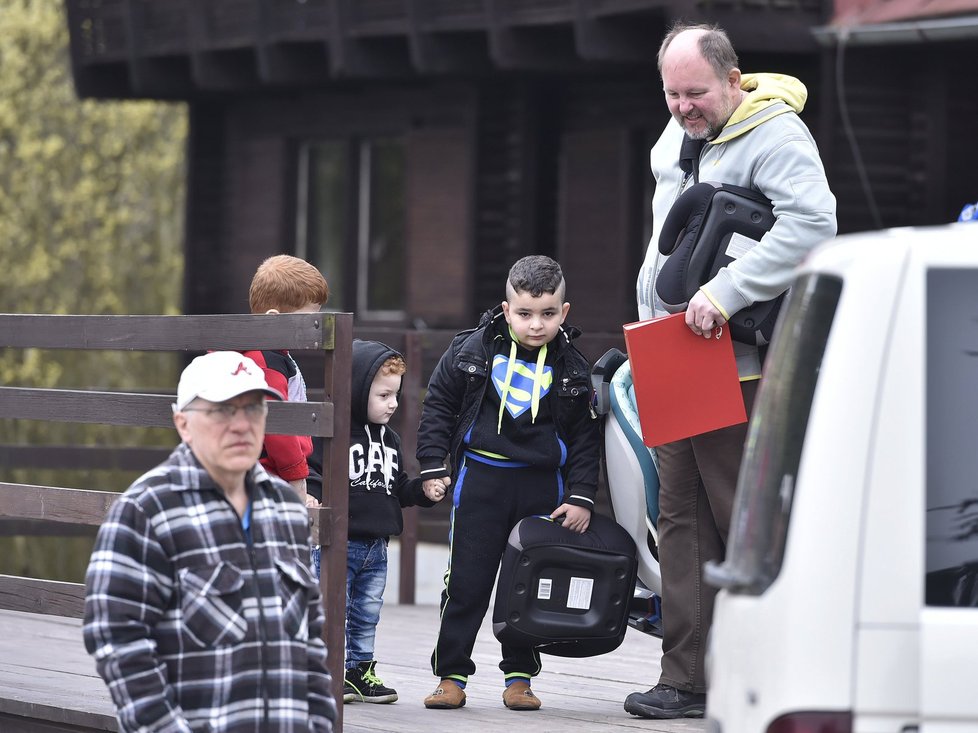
[(849, 599)]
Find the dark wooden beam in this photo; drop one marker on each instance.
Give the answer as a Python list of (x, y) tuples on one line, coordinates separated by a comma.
[(292, 64), (95, 75), (295, 21), (148, 76), (233, 70), (169, 78), (360, 55), (181, 48), (102, 81), (764, 29), (542, 48), (205, 228), (339, 52), (236, 332), (53, 504), (286, 58), (455, 53), (332, 529), (147, 410), (49, 597), (431, 52), (412, 416), (630, 40), (620, 8), (217, 63)]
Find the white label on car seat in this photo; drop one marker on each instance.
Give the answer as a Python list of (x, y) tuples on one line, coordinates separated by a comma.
[(544, 588), (739, 245), (579, 593)]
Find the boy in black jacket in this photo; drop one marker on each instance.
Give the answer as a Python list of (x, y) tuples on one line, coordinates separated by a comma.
[(379, 487), (509, 405)]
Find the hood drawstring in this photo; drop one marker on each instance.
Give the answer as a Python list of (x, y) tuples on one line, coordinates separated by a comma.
[(370, 441), (386, 466), (507, 381)]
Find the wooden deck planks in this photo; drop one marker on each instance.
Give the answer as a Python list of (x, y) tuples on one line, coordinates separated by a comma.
[(577, 694), (45, 672)]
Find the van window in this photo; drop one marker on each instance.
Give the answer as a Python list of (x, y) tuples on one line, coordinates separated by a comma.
[(766, 484), (951, 555)]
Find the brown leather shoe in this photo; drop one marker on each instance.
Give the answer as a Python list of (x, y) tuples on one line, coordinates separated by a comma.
[(519, 696), (448, 696)]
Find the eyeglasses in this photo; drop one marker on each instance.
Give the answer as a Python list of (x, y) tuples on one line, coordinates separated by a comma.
[(224, 413)]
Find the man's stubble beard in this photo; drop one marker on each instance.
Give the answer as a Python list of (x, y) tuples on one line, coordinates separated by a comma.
[(711, 130)]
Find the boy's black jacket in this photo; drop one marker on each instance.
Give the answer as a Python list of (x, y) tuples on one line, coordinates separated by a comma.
[(457, 388), (379, 487)]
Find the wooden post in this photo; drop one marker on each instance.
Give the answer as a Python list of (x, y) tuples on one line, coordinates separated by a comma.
[(333, 532), (410, 417)]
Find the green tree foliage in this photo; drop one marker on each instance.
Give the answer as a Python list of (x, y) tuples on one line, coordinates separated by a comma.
[(91, 212), (91, 194)]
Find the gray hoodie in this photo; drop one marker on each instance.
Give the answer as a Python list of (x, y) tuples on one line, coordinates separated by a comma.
[(764, 146)]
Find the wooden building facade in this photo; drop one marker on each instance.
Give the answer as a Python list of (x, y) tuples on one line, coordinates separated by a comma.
[(413, 149)]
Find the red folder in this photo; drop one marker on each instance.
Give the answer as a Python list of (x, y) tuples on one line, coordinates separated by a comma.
[(685, 384)]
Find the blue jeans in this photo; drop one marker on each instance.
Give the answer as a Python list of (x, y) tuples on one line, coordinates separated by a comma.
[(366, 578), (316, 559)]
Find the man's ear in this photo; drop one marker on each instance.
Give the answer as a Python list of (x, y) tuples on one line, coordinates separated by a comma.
[(564, 309), (733, 78), (180, 423)]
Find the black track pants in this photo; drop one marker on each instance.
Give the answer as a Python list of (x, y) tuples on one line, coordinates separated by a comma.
[(489, 500)]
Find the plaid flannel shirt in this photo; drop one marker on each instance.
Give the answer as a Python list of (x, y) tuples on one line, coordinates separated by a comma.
[(195, 629)]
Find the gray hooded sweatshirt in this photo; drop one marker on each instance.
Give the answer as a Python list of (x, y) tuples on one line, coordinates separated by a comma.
[(764, 146)]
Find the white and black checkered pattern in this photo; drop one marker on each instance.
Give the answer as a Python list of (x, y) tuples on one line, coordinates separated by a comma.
[(192, 628)]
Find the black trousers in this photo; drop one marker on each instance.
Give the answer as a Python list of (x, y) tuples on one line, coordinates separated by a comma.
[(489, 499)]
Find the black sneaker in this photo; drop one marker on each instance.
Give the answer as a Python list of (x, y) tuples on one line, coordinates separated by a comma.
[(362, 684), (666, 702)]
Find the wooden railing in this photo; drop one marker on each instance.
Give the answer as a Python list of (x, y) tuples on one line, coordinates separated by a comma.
[(330, 418)]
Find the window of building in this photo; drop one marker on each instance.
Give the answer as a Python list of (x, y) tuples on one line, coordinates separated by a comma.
[(350, 222)]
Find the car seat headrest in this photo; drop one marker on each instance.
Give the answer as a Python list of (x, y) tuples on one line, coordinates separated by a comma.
[(709, 226)]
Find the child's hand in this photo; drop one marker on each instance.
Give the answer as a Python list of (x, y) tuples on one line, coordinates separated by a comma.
[(435, 488), (576, 518)]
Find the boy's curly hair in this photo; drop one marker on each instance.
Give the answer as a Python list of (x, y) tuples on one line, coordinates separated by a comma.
[(393, 366), (286, 283)]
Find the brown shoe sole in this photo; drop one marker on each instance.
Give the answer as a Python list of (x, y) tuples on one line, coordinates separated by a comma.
[(444, 705), (523, 702), (433, 703)]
